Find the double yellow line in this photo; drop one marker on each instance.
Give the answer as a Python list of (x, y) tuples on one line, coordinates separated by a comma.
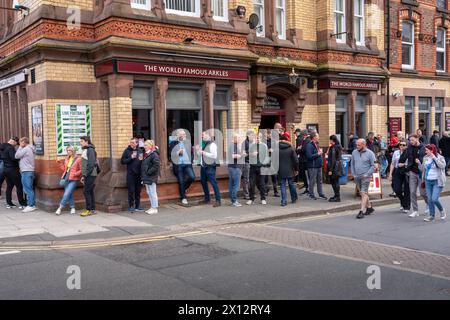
[(106, 243)]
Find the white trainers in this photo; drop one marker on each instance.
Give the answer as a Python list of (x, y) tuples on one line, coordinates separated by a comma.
[(264, 202), (29, 209), (73, 211), (236, 204), (426, 212), (151, 211), (249, 202), (184, 201), (443, 215), (413, 214), (405, 211), (58, 211)]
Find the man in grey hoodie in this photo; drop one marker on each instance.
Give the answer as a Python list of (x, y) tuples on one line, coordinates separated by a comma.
[(26, 154)]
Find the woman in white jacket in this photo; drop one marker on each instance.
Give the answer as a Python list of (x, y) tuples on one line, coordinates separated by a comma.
[(433, 173)]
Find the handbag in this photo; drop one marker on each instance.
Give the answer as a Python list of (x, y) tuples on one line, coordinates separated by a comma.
[(64, 181), (339, 168)]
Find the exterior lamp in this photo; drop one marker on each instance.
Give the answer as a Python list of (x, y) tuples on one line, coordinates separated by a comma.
[(293, 77)]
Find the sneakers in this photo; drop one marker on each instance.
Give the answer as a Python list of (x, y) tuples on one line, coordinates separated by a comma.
[(360, 215), (312, 197), (217, 204), (321, 196), (11, 206), (443, 215), (58, 211), (429, 219), (263, 202), (86, 213), (426, 212), (405, 211), (236, 204), (369, 211), (334, 199), (139, 209), (249, 202), (276, 194), (73, 211), (131, 210), (151, 211), (184, 201), (29, 209), (284, 204), (413, 214)]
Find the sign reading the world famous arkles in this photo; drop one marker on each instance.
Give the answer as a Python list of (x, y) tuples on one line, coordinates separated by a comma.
[(72, 122)]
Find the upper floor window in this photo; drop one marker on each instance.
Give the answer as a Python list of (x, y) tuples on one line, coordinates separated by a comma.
[(258, 8), (280, 7), (183, 7), (141, 4), (220, 10), (441, 4), (440, 49), (339, 20), (407, 45), (359, 21)]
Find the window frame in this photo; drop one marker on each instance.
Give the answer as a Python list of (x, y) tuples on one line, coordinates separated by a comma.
[(342, 38), (360, 17), (282, 34), (225, 10), (440, 49), (411, 44), (441, 8), (261, 4), (147, 6), (195, 14), (150, 106)]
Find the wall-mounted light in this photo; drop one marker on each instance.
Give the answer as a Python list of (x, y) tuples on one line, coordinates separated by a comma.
[(293, 76), (398, 34), (396, 95), (240, 11)]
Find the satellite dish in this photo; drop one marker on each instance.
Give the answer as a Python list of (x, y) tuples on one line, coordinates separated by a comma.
[(253, 21)]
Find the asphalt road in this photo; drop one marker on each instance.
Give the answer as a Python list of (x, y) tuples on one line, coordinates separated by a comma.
[(220, 265)]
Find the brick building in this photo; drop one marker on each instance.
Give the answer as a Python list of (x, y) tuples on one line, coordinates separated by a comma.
[(148, 67), (419, 82)]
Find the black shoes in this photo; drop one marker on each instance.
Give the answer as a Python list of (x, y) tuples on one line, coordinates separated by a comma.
[(334, 199), (312, 197), (276, 194), (369, 211), (360, 215), (217, 204)]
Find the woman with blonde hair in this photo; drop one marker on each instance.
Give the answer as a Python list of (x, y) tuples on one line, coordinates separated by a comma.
[(150, 173), (71, 167)]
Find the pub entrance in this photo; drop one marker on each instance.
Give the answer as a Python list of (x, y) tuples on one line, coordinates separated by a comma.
[(272, 113)]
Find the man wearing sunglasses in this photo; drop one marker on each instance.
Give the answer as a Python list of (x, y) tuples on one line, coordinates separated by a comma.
[(399, 178)]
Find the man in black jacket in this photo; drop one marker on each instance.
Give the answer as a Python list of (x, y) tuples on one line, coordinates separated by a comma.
[(132, 157), (288, 169), (301, 152), (12, 173), (415, 151), (444, 145)]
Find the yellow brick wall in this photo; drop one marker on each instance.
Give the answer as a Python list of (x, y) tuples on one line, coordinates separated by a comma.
[(374, 23), (99, 125), (62, 71), (301, 14), (325, 15), (121, 124)]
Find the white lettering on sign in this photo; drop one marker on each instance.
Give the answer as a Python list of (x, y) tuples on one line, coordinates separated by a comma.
[(353, 85), (12, 80)]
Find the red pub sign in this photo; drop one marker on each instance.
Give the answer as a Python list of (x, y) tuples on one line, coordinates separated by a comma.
[(395, 125), (170, 70)]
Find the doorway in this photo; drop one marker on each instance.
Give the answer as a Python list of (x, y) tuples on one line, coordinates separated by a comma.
[(270, 117)]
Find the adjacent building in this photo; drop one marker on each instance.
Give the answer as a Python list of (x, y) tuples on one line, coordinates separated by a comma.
[(114, 69)]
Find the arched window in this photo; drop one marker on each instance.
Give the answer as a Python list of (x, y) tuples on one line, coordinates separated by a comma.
[(407, 45), (440, 49)]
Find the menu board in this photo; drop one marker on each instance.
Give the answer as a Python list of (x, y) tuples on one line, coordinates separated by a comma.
[(38, 129), (72, 122)]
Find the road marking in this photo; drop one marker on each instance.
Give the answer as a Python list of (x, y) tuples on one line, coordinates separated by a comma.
[(8, 252)]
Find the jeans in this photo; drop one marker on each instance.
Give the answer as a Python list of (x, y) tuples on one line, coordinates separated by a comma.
[(433, 192), (246, 180), (209, 174), (292, 190), (334, 180), (414, 183), (185, 178), (69, 190), (447, 163), (134, 190), (27, 183), (315, 176), (89, 192), (400, 185), (234, 182), (13, 180), (152, 195), (258, 180)]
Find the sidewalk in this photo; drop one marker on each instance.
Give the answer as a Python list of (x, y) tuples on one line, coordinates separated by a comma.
[(41, 227)]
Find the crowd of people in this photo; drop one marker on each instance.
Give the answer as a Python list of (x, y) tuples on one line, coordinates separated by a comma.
[(252, 160)]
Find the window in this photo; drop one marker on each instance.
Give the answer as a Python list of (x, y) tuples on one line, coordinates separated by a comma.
[(142, 111), (280, 12), (220, 10), (258, 8), (183, 7), (424, 115), (407, 45), (441, 4), (339, 20), (359, 21), (409, 112), (222, 119), (360, 116), (141, 4), (424, 104), (440, 49), (341, 119), (439, 105)]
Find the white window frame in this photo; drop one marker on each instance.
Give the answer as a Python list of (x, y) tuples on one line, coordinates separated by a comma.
[(196, 13), (146, 6), (342, 37), (225, 10), (445, 5), (282, 8), (260, 3), (440, 49), (412, 44), (356, 4)]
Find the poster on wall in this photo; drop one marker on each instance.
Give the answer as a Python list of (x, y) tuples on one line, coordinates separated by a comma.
[(38, 129), (447, 121), (395, 125), (313, 126), (72, 122)]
